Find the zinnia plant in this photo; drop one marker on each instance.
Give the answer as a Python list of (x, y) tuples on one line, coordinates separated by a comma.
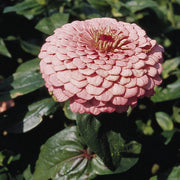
[(101, 65), (90, 90)]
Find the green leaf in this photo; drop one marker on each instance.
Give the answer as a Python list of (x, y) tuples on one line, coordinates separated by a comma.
[(49, 24), (168, 135), (170, 66), (107, 144), (68, 113), (164, 121), (66, 156), (29, 47), (26, 79), (171, 92), (175, 173), (139, 5), (3, 50), (27, 173), (145, 128), (27, 8), (176, 114), (119, 9), (100, 5), (34, 116), (154, 178)]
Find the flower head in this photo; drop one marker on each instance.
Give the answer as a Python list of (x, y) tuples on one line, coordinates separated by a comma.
[(101, 65)]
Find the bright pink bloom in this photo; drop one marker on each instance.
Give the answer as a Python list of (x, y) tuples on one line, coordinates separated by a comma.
[(101, 65)]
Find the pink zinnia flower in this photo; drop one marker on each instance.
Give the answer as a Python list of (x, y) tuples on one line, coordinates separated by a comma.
[(101, 65)]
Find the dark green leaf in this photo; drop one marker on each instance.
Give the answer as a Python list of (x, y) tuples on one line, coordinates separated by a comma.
[(107, 144), (139, 5), (30, 48), (34, 116), (49, 24), (27, 8), (26, 79), (27, 173), (66, 156), (168, 135), (175, 173), (176, 114), (172, 91), (68, 113), (169, 66), (100, 5), (3, 50), (164, 121)]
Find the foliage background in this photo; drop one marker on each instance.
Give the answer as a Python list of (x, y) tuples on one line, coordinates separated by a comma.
[(154, 123)]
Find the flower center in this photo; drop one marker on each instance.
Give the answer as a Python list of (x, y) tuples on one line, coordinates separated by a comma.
[(104, 37), (108, 41)]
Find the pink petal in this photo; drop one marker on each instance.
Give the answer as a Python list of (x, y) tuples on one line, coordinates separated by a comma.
[(48, 69), (115, 70), (72, 54), (132, 83), (71, 88), (55, 81), (126, 72), (95, 80), (117, 89), (102, 73), (77, 75), (51, 49), (64, 76), (60, 96), (139, 72), (159, 68), (117, 100), (106, 83), (99, 61), (84, 95), (130, 92), (69, 64), (142, 81), (78, 63), (112, 78), (76, 107), (93, 66), (157, 80), (106, 66), (124, 80), (87, 71), (150, 61), (142, 56), (152, 71), (94, 90), (150, 84), (121, 63), (79, 84), (105, 96), (139, 64), (141, 93), (61, 56)]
